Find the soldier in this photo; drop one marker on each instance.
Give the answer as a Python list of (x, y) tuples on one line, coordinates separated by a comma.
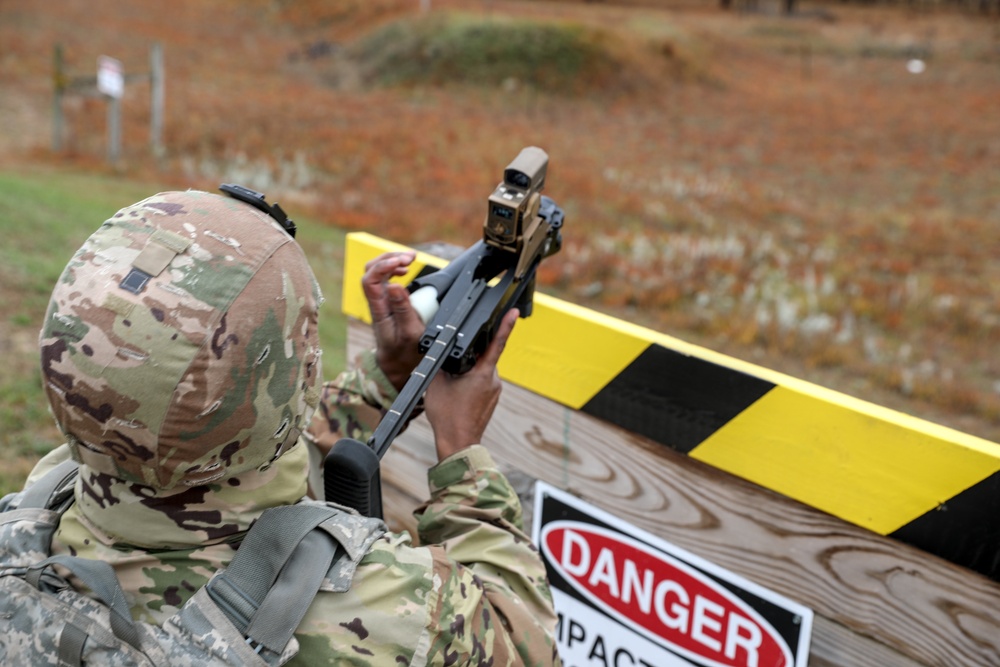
[(181, 360)]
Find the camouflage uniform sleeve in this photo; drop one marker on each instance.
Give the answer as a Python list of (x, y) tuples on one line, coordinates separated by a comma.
[(352, 405), (493, 599)]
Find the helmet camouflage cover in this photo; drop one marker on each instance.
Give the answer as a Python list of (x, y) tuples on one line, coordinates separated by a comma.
[(180, 344)]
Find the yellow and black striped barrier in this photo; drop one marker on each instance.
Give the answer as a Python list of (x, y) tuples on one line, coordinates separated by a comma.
[(933, 487)]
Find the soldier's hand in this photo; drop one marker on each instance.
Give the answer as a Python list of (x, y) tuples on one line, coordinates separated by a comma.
[(459, 407), (396, 325)]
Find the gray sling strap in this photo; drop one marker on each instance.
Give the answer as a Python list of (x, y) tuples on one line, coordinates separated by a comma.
[(101, 579), (71, 643), (271, 582), (53, 487), (265, 591)]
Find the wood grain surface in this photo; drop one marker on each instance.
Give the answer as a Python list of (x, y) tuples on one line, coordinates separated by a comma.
[(877, 601)]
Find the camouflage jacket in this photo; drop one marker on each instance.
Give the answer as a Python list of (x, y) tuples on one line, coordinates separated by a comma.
[(476, 593)]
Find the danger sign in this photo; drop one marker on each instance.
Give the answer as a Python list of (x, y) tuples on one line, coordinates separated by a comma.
[(627, 598)]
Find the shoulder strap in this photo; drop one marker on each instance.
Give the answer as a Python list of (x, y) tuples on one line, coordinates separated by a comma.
[(101, 579), (54, 491), (53, 488), (267, 588), (272, 580)]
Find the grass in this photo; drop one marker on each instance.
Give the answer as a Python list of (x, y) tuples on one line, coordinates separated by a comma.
[(485, 51), (48, 213), (782, 190)]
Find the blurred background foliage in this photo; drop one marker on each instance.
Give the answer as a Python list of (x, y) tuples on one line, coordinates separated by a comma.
[(813, 190)]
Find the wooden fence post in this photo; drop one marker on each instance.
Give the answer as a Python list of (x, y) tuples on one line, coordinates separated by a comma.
[(109, 83), (59, 81), (156, 99), (114, 129)]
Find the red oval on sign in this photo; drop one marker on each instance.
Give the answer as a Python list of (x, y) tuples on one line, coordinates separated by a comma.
[(666, 600)]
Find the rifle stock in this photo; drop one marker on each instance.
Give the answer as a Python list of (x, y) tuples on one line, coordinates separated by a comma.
[(351, 477)]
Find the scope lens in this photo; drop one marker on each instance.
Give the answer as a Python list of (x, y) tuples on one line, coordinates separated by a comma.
[(517, 178)]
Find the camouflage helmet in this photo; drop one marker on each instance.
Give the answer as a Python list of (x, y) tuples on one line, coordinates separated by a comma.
[(180, 344)]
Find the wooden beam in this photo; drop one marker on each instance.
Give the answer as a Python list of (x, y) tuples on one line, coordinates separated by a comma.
[(873, 467), (877, 601)]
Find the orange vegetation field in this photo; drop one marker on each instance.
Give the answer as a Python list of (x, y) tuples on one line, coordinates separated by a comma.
[(790, 190)]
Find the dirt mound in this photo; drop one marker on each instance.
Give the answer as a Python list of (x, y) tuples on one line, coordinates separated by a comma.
[(454, 48)]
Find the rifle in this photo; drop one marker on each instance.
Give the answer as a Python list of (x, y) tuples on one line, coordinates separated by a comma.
[(462, 306)]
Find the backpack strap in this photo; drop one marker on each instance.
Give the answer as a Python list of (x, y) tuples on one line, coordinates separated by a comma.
[(277, 571), (266, 590), (101, 579), (54, 487), (286, 603)]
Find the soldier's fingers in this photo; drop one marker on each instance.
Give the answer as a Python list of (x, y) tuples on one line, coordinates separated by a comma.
[(377, 302), (391, 261), (402, 310), (373, 283), (492, 354)]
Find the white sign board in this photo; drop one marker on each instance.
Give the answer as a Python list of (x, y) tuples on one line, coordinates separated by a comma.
[(110, 77), (626, 598)]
